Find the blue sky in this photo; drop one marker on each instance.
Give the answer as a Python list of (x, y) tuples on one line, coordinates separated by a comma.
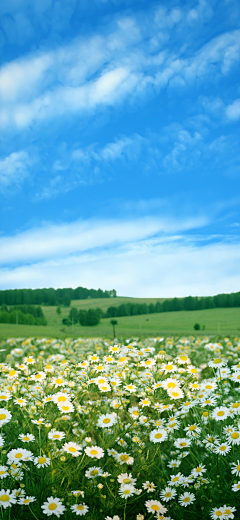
[(120, 157)]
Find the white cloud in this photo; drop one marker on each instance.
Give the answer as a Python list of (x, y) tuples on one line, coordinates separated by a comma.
[(233, 110), (14, 168), (106, 69), (54, 240), (142, 269)]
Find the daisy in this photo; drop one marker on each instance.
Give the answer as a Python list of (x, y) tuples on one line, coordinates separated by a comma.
[(26, 500), (158, 435), (126, 490), (56, 436), (4, 472), (234, 437), (105, 387), (58, 381), (196, 472), (126, 478), (61, 397), (5, 416), (235, 468), (106, 421), (236, 487), (42, 461), (174, 464), (177, 393), (19, 455), (182, 443), (93, 472), (72, 448), (149, 486), (29, 360), (168, 493), (53, 506), (217, 363), (5, 396), (94, 452), (20, 401), (134, 412), (236, 377), (176, 480), (192, 430), (173, 425), (169, 368), (228, 511), (66, 407), (220, 413), (40, 376), (1, 441), (80, 509), (222, 449), (235, 408), (7, 498), (27, 437), (217, 512), (154, 506), (130, 388), (124, 458), (186, 499)]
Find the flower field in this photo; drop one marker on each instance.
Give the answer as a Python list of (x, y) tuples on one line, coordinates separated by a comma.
[(145, 429)]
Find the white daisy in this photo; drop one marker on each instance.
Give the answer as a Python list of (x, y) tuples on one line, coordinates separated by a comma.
[(56, 435), (94, 452), (107, 420), (27, 437), (7, 498), (235, 468), (26, 500), (93, 472), (42, 461), (124, 458), (19, 455), (168, 493), (182, 443), (126, 490), (53, 506), (186, 499), (220, 413), (154, 506), (4, 472), (236, 487), (126, 478), (158, 435), (5, 416), (72, 448), (80, 509)]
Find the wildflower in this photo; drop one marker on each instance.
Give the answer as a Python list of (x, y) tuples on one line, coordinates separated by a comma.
[(42, 461), (26, 500), (1, 441), (94, 452), (217, 363), (222, 449), (61, 397), (106, 421), (182, 443), (168, 493), (19, 455), (176, 479), (53, 506), (196, 472), (93, 472), (39, 421), (145, 402), (236, 487), (126, 490), (235, 468), (5, 396), (115, 517), (158, 435), (4, 472), (175, 393), (234, 437), (149, 486), (80, 509), (125, 458), (5, 416), (154, 506), (7, 498), (56, 436), (220, 413), (105, 387), (216, 513), (72, 448), (58, 381), (186, 499), (126, 478), (28, 437), (169, 368), (228, 511), (174, 463), (29, 360)]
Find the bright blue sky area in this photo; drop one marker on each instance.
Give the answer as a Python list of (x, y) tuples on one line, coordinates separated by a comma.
[(120, 157)]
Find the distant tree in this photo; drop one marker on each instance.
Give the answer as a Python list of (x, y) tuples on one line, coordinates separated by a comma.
[(58, 310), (196, 326), (89, 318), (66, 321), (114, 322), (73, 315), (66, 300)]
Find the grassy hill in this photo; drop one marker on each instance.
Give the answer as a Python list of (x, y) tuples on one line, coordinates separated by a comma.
[(218, 320)]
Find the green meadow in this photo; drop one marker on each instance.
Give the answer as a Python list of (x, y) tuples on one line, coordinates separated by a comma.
[(212, 321)]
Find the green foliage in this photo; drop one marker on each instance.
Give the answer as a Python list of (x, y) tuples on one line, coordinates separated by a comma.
[(196, 326), (22, 314), (58, 310), (51, 296), (90, 317)]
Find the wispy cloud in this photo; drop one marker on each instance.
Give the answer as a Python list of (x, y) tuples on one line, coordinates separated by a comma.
[(81, 236), (125, 62), (14, 169), (233, 110)]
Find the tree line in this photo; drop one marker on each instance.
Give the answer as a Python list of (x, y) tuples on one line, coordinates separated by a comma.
[(22, 314), (189, 303), (51, 296)]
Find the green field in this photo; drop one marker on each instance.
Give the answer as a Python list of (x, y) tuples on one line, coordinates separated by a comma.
[(216, 321)]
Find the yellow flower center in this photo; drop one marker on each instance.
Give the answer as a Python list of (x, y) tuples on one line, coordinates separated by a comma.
[(235, 435), (4, 498), (80, 507), (223, 448), (220, 413), (61, 398), (168, 367), (93, 452), (126, 480), (192, 428), (124, 457), (56, 436), (205, 414), (2, 416), (59, 381), (186, 499), (235, 405), (126, 491), (158, 435), (41, 460), (155, 507), (73, 450), (168, 494), (106, 420), (52, 506), (94, 472), (18, 455)]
